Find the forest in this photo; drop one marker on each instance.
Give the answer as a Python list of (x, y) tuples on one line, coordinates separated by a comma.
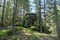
[(29, 19)]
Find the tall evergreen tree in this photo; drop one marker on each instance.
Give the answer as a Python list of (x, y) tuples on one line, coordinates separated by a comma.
[(3, 10), (13, 15), (56, 20), (39, 12), (45, 13)]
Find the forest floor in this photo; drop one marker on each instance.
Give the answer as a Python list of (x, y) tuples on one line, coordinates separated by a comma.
[(27, 34)]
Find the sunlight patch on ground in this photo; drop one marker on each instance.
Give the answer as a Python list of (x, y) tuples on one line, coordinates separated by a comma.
[(30, 32)]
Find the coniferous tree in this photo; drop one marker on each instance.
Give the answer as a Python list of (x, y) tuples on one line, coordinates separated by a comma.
[(56, 21), (3, 10), (39, 12)]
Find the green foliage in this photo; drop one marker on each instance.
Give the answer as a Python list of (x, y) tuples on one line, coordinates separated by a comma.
[(35, 38), (13, 37), (6, 32), (24, 4), (3, 33)]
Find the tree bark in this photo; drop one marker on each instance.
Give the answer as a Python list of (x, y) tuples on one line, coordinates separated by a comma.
[(56, 21), (13, 15), (44, 15), (39, 12), (2, 20)]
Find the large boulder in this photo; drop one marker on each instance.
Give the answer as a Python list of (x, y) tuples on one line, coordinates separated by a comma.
[(29, 19)]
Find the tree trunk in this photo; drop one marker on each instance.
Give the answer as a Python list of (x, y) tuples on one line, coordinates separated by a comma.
[(44, 15), (2, 20), (56, 21), (13, 16), (39, 12)]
